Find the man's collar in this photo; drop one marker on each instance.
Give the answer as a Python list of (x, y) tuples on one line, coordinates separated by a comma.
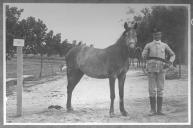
[(159, 41)]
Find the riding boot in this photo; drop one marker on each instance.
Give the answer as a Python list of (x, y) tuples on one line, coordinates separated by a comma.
[(153, 106), (159, 106)]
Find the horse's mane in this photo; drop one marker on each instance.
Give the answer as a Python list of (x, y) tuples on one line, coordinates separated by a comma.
[(138, 49), (119, 40)]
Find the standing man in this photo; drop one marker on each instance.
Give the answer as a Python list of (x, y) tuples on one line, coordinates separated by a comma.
[(154, 52)]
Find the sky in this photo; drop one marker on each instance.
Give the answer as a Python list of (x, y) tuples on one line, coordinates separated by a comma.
[(97, 24)]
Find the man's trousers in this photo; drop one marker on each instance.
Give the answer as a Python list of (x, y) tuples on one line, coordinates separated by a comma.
[(156, 83)]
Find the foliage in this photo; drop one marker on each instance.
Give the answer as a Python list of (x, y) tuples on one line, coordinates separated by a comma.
[(12, 25), (173, 23), (66, 47), (52, 43), (35, 34)]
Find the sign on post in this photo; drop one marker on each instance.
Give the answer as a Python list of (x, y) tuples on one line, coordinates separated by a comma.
[(19, 43)]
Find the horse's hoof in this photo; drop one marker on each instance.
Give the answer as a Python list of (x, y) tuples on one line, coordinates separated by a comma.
[(152, 113), (70, 109), (112, 114), (160, 113), (124, 113)]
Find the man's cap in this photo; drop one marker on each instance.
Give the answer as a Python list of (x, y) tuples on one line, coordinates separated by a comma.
[(156, 31)]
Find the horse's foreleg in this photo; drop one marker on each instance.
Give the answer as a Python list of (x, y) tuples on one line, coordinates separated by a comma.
[(73, 77), (138, 63), (70, 88), (112, 95), (121, 80)]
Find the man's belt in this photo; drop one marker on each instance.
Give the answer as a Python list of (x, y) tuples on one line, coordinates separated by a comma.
[(160, 59)]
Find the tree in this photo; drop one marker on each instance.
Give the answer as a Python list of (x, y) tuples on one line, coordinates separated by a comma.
[(12, 24), (173, 23), (34, 32), (53, 43), (57, 44), (66, 46), (49, 40)]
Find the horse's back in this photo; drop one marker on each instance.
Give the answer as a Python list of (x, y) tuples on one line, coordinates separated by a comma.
[(83, 55)]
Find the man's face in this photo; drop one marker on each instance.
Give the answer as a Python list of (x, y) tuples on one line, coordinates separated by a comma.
[(157, 36)]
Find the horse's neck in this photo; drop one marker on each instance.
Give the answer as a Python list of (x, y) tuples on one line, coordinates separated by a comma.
[(119, 48)]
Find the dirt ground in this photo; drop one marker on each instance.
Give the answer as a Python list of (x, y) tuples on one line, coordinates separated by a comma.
[(91, 102)]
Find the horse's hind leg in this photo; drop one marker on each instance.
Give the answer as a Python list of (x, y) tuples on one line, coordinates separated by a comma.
[(73, 76)]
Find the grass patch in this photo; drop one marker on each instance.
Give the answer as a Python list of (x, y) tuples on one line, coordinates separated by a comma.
[(32, 66)]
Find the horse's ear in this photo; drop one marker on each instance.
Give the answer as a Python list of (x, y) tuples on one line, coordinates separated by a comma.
[(126, 26), (135, 26)]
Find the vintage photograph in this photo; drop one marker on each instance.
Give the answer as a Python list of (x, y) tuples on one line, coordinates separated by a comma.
[(88, 63)]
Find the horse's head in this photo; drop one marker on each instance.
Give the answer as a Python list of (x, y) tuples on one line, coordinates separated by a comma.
[(129, 35)]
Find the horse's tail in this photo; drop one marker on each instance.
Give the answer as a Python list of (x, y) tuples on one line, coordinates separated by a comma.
[(71, 55), (67, 55)]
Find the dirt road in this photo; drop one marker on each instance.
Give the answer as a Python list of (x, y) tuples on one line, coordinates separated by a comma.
[(91, 102)]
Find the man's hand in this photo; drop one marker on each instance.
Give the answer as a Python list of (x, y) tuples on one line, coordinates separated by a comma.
[(169, 64)]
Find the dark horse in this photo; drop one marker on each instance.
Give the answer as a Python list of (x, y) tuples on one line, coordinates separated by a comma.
[(111, 62)]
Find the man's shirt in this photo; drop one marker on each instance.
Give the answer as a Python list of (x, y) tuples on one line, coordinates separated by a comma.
[(157, 49)]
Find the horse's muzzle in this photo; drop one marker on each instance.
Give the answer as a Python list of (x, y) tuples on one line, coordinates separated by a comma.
[(132, 45)]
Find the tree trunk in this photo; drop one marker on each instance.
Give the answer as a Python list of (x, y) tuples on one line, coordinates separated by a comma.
[(41, 66), (179, 65)]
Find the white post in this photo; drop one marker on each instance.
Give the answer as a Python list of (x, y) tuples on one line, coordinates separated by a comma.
[(19, 80), (19, 43)]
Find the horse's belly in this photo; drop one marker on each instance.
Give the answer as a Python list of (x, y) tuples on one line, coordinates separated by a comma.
[(93, 65), (98, 76), (94, 70)]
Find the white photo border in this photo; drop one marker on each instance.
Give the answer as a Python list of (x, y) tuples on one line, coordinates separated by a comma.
[(156, 4)]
